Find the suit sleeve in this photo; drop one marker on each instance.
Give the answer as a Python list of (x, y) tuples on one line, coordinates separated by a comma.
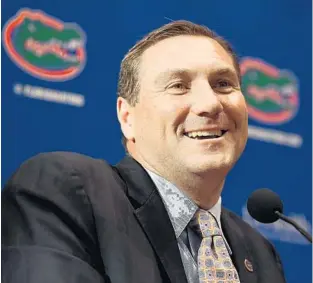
[(47, 225)]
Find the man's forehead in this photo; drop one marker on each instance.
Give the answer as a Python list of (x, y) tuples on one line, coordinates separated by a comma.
[(186, 52)]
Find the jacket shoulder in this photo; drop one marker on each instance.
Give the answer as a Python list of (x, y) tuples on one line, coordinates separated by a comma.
[(55, 167)]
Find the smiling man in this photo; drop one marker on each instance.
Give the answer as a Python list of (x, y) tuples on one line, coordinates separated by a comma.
[(157, 216), (189, 124)]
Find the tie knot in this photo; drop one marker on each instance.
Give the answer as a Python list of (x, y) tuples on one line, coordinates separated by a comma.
[(206, 224)]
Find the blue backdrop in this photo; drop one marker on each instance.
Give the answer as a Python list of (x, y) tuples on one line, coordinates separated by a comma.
[(60, 65)]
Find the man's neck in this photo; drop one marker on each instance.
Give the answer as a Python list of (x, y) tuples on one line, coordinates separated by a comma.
[(203, 188), (205, 192)]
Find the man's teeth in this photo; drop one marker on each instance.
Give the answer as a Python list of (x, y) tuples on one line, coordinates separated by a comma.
[(211, 133)]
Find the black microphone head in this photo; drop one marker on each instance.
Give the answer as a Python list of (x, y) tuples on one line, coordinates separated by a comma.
[(262, 205)]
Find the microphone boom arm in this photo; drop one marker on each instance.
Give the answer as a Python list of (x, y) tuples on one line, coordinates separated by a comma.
[(294, 224)]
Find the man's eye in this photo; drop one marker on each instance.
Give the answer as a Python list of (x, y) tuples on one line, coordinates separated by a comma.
[(223, 84), (178, 86)]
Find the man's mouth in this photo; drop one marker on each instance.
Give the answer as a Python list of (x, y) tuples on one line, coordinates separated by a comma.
[(208, 134)]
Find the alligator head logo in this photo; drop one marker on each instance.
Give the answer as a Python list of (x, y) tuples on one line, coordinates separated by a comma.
[(271, 94), (45, 47)]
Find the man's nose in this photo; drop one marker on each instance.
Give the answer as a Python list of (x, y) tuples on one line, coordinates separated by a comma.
[(205, 101)]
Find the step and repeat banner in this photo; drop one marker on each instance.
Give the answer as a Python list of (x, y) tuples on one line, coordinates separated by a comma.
[(60, 63)]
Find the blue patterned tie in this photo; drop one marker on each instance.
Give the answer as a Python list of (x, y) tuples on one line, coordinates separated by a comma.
[(214, 262)]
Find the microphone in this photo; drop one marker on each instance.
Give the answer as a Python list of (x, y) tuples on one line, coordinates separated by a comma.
[(266, 206)]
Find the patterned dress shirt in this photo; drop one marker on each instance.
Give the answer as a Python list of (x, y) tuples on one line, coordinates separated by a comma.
[(181, 210)]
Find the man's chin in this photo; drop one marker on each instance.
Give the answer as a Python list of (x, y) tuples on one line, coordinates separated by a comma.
[(203, 165)]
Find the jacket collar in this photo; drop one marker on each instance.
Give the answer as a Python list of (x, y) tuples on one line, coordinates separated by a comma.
[(239, 243), (152, 216)]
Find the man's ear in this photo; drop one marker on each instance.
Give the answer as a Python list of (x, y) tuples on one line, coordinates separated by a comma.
[(125, 117)]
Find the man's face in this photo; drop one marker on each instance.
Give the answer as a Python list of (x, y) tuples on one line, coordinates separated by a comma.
[(191, 115)]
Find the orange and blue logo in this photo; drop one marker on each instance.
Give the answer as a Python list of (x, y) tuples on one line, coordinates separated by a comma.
[(272, 95), (45, 47)]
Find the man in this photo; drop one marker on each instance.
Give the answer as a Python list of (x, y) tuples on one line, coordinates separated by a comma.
[(157, 215)]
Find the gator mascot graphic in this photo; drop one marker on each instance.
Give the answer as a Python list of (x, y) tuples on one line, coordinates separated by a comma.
[(43, 46), (271, 94)]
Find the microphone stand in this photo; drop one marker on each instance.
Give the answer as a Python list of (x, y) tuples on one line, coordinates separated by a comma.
[(294, 224)]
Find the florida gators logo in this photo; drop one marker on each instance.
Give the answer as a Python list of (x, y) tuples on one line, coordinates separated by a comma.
[(43, 46), (272, 95)]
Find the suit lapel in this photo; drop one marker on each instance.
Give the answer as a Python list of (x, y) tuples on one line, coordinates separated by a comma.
[(153, 218), (241, 255)]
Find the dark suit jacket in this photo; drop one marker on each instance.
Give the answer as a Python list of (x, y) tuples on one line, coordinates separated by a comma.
[(70, 218)]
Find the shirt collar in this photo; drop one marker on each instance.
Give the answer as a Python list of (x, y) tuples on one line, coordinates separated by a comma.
[(180, 207), (216, 210)]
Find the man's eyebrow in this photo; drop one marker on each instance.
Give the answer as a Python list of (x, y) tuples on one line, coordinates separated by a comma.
[(225, 71), (168, 75)]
